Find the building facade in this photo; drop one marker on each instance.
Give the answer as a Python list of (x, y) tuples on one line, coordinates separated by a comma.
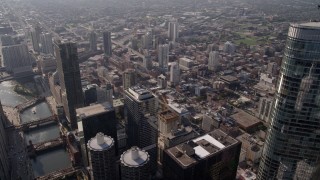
[(4, 161), (163, 55), (294, 135), (70, 79), (129, 79), (138, 103), (135, 164), (107, 44), (173, 30), (46, 45), (93, 41), (16, 56), (102, 157), (213, 60), (174, 73)]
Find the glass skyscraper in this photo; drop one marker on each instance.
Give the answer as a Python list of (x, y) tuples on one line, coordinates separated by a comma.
[(293, 141)]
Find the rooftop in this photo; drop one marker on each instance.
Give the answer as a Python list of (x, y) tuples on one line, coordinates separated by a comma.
[(168, 115), (94, 110), (311, 24), (139, 93), (189, 153), (134, 157), (244, 119), (100, 143)]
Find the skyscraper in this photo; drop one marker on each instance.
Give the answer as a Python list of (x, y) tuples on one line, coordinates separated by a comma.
[(173, 30), (107, 44), (138, 103), (35, 37), (129, 78), (294, 133), (213, 60), (70, 79), (174, 73), (102, 157), (163, 55), (46, 45), (93, 41), (4, 161)]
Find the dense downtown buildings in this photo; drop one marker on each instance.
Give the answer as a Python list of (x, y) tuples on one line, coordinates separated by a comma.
[(180, 89), (212, 156), (292, 144), (69, 76)]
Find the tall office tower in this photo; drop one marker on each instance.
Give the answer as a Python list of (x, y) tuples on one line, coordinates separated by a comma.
[(213, 60), (109, 93), (70, 79), (97, 118), (107, 44), (93, 41), (147, 40), (16, 56), (135, 164), (138, 102), (147, 62), (173, 30), (174, 73), (4, 161), (129, 78), (35, 37), (212, 156), (46, 45), (163, 55), (229, 48), (294, 133), (102, 157)]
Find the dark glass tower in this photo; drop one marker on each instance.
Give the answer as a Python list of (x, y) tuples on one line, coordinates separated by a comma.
[(107, 44), (293, 142), (70, 80)]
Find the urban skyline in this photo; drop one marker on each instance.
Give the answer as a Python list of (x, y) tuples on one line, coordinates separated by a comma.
[(160, 90)]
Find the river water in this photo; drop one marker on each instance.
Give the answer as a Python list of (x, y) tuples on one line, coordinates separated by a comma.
[(51, 160)]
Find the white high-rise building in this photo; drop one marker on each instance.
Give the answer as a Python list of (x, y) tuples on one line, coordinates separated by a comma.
[(163, 55), (174, 73), (16, 56), (46, 45), (213, 61), (173, 30)]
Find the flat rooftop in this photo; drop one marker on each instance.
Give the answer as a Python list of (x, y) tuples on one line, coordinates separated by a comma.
[(168, 116), (94, 110), (139, 93), (245, 119), (193, 151), (229, 78), (311, 24)]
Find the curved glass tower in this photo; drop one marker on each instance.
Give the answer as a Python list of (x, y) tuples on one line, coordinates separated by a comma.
[(292, 148)]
